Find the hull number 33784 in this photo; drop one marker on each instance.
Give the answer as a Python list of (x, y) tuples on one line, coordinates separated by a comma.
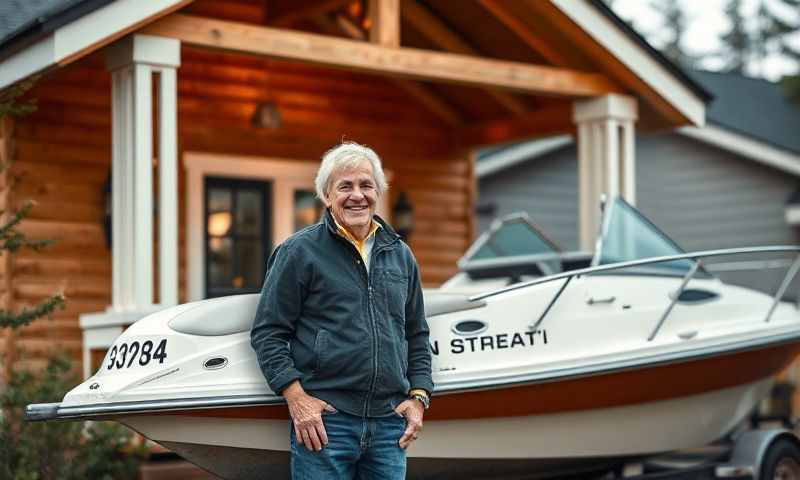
[(126, 355)]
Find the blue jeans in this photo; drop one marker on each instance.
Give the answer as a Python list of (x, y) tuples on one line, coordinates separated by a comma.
[(358, 448)]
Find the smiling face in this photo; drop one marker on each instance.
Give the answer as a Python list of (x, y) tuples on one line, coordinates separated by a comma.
[(352, 197)]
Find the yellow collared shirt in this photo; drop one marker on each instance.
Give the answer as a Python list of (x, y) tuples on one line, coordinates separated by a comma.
[(364, 247)]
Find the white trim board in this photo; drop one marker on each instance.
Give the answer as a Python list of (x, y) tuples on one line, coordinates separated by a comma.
[(286, 176), (639, 61), (519, 154), (761, 152), (81, 36), (724, 139)]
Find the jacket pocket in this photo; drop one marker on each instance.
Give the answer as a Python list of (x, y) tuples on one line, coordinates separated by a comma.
[(395, 286)]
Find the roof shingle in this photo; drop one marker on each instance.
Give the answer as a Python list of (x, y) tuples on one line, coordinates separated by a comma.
[(752, 107)]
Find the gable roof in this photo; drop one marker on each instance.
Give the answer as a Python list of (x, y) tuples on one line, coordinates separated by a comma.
[(40, 35), (22, 21), (696, 86)]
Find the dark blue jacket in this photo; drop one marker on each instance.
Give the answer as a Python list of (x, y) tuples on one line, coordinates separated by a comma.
[(355, 339)]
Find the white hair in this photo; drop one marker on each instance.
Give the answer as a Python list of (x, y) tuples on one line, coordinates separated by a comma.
[(348, 155)]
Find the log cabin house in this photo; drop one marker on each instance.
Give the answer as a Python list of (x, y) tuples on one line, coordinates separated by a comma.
[(175, 141)]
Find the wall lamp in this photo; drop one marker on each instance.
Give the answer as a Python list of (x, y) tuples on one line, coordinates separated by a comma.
[(403, 216)]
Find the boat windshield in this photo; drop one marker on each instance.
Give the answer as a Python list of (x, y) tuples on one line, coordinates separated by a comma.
[(628, 235), (512, 236)]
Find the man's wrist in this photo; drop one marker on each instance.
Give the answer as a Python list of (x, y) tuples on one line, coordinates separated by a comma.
[(420, 391), (293, 390), (421, 396)]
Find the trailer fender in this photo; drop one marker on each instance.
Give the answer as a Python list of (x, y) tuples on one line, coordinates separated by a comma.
[(751, 448)]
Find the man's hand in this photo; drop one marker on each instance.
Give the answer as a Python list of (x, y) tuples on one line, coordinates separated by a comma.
[(412, 410), (306, 412)]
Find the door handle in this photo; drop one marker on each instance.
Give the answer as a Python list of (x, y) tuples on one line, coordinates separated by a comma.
[(593, 300)]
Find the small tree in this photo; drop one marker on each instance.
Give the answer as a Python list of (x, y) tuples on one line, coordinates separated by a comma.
[(49, 450), (781, 28), (675, 23), (736, 41)]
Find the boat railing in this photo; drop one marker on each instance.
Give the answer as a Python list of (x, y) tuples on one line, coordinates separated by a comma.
[(698, 258)]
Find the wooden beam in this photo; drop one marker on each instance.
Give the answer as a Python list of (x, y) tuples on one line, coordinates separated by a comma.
[(394, 62), (384, 18), (423, 94), (346, 26), (523, 32), (547, 121), (434, 29), (289, 12), (431, 101), (441, 35)]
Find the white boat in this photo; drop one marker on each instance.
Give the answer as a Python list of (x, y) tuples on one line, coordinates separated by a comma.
[(571, 363)]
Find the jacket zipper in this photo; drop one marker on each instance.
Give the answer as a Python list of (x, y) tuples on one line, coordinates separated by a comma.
[(373, 325)]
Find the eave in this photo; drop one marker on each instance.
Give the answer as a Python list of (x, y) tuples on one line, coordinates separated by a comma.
[(82, 36)]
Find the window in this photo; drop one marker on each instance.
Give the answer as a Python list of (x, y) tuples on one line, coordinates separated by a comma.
[(237, 235), (307, 209)]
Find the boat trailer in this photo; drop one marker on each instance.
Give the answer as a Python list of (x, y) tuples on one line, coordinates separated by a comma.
[(769, 454)]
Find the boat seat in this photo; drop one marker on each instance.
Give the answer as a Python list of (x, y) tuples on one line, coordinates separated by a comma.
[(439, 303), (235, 314)]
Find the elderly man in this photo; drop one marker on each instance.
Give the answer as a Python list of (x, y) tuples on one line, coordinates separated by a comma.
[(340, 330)]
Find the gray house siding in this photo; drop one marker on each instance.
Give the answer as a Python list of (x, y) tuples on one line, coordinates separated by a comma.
[(704, 197), (546, 188), (701, 196)]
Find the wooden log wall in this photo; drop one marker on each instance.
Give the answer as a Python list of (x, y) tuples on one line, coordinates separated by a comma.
[(61, 159), (6, 261), (63, 153)]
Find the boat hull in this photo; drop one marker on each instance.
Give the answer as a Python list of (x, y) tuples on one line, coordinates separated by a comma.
[(245, 448)]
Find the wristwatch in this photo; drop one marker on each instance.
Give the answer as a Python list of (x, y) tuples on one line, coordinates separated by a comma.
[(421, 397)]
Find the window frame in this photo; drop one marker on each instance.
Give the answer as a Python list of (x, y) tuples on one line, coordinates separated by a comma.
[(264, 187)]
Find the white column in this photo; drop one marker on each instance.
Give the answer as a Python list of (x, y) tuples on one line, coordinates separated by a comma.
[(606, 154), (142, 186), (132, 61), (168, 189), (611, 157), (119, 115), (628, 164), (585, 185)]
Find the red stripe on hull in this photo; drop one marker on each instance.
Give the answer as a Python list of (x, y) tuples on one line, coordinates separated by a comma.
[(616, 389)]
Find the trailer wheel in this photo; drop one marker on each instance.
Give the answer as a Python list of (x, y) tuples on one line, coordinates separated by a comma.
[(782, 461)]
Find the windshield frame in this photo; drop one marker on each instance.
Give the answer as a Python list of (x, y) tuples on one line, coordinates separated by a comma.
[(485, 239), (608, 214)]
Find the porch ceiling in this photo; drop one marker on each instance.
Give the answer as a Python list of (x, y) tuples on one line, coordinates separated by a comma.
[(539, 36)]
